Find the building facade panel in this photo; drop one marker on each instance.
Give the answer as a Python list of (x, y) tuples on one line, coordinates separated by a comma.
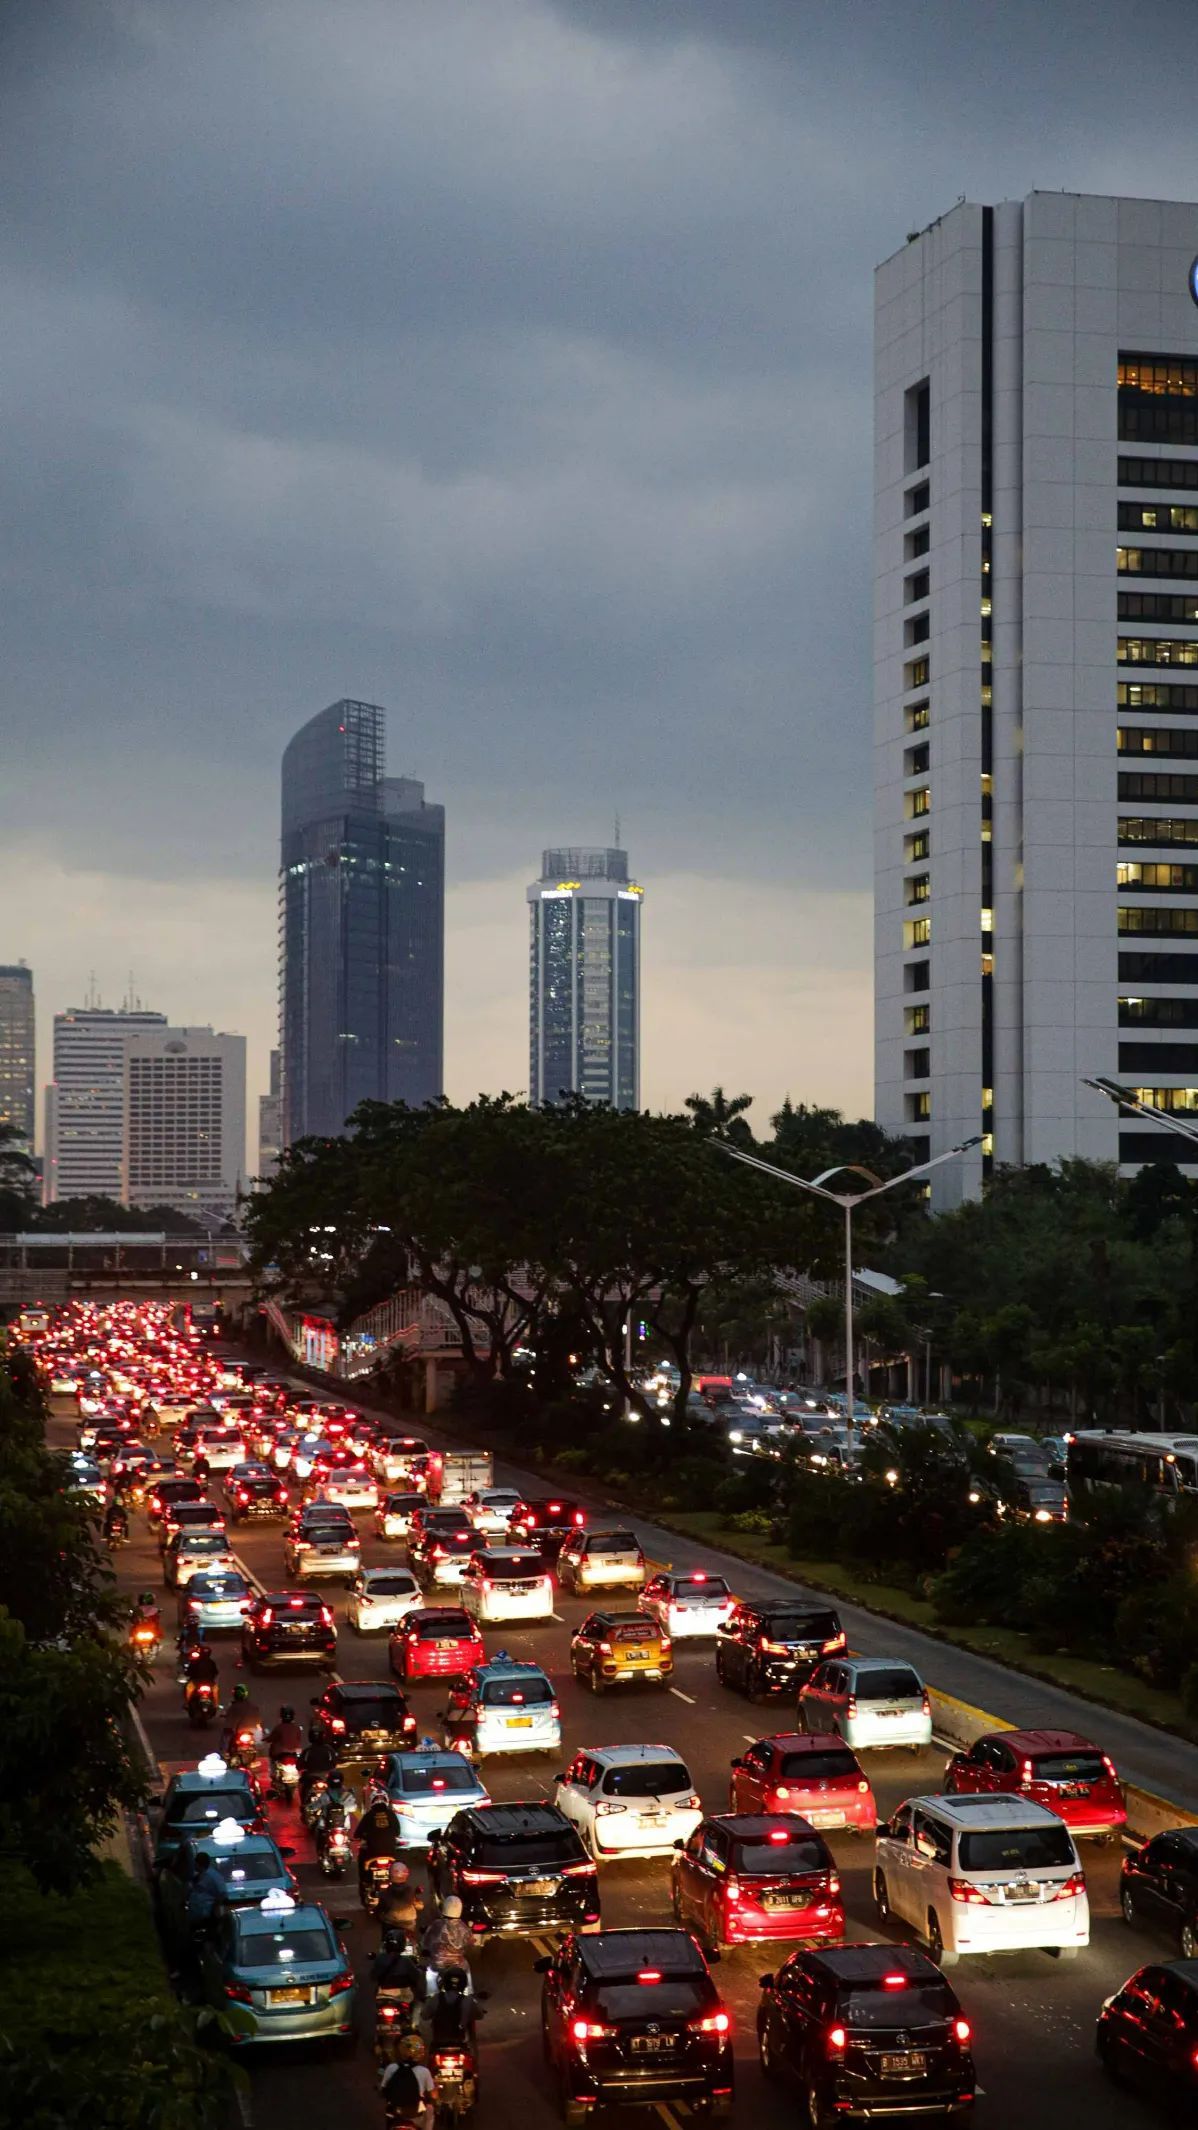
[(584, 979)]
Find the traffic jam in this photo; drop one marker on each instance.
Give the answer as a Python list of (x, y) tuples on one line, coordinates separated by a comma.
[(458, 1780)]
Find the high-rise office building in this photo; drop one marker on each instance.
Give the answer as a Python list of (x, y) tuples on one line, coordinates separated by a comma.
[(361, 926), (18, 1068), (585, 979), (1036, 526), (270, 1122), (184, 1120), (85, 1102)]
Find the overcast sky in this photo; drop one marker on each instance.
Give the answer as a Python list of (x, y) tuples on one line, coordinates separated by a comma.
[(506, 362)]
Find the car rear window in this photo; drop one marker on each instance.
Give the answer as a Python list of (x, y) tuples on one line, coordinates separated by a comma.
[(648, 1778), (243, 1870), (403, 1504), (398, 1585), (896, 1685), (429, 1782), (613, 1542), (556, 1846), (676, 1997), (203, 1541), (518, 1571), (441, 1520), (1067, 1767), (455, 1628), (204, 1806), (800, 1626), (917, 2004), (797, 1852), (385, 1713), (515, 1693), (632, 1631), (219, 1586), (817, 1767), (700, 1586), (262, 1948), (1015, 1848)]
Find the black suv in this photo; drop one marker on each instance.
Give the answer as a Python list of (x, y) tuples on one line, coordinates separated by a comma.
[(288, 1627), (867, 2030), (634, 2016), (252, 1490), (519, 1870), (546, 1525), (359, 1717), (772, 1646)]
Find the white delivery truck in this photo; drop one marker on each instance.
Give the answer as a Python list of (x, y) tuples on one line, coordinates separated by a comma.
[(462, 1472)]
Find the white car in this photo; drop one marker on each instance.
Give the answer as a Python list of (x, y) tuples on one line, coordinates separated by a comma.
[(871, 1701), (427, 1787), (221, 1449), (394, 1514), (63, 1386), (688, 1604), (629, 1800), (507, 1583), (601, 1560), (379, 1598), (353, 1489), (982, 1875), (491, 1509)]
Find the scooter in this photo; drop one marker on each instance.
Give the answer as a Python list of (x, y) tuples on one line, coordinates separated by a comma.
[(203, 1704), (455, 2074), (284, 1776), (145, 1638), (311, 1806), (376, 1872), (394, 2017), (333, 1844)]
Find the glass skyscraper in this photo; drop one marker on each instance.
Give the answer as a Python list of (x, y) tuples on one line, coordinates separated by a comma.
[(17, 1051), (585, 979), (361, 926)]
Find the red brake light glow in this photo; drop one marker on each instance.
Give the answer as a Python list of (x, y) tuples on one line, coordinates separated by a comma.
[(962, 2029), (894, 1982), (779, 1834), (296, 1604), (837, 2038), (649, 1974), (715, 2023), (699, 1576), (266, 1617)]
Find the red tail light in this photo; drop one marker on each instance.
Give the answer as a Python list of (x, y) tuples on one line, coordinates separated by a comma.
[(972, 1896), (576, 1871), (337, 1723), (1070, 1887), (238, 1994), (483, 1878), (339, 1985), (837, 2040), (265, 1618), (586, 2030), (962, 2030), (326, 1616), (851, 1707), (579, 1518), (715, 2023)]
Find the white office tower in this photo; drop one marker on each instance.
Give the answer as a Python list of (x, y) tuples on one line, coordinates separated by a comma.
[(1036, 528), (85, 1101), (585, 979), (185, 1121)]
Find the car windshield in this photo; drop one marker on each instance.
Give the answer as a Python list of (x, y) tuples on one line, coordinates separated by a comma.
[(391, 1586), (384, 1713), (1015, 1848), (554, 1847), (817, 1767), (677, 1997), (1068, 1767), (515, 1693), (455, 1628), (200, 1806), (700, 1586), (896, 1685), (241, 1869), (516, 1571), (648, 1778), (800, 1626), (795, 1852), (430, 1782), (263, 1948), (917, 2004)]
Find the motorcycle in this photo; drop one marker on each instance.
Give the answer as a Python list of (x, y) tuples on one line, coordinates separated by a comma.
[(376, 1872), (243, 1750), (455, 2074), (311, 1805), (333, 1844), (284, 1777), (116, 1535), (203, 1704), (394, 2017), (145, 1638)]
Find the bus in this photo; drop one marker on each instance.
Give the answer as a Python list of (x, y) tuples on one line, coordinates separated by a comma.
[(1165, 1464)]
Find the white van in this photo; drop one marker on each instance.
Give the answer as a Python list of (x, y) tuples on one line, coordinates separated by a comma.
[(982, 1874)]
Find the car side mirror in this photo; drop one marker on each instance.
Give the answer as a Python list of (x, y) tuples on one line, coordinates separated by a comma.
[(714, 1956), (884, 1827), (561, 1776), (543, 1966), (765, 1981)]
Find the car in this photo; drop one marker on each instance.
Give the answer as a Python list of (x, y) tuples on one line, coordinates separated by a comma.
[(632, 2017), (282, 1962), (610, 1559), (87, 1478), (359, 1717), (1148, 2033), (222, 1446), (873, 1702), (442, 1556), (438, 1642), (749, 1875), (429, 1522), (393, 1516), (867, 2031), (504, 1706), (617, 1648), (187, 1515), (251, 1865), (349, 1483), (816, 1776), (1015, 1446), (772, 1645), (216, 1599), (1158, 1886), (519, 1870), (687, 1604), (507, 1583), (253, 1493), (200, 1798), (172, 1489), (426, 1787), (321, 1540), (1040, 1501), (982, 1875), (491, 1509), (629, 1800), (307, 1451), (392, 1457), (379, 1598), (1058, 1769), (191, 1551), (546, 1523), (288, 1627)]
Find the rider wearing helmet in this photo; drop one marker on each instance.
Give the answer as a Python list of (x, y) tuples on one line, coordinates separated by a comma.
[(407, 2085), (286, 1737), (146, 1612), (447, 1939), (377, 1834), (451, 2014), (397, 1966), (116, 1518), (400, 1903), (244, 1715)]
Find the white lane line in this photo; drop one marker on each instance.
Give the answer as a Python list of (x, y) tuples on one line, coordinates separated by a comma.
[(680, 1696), (249, 1575), (245, 2106)]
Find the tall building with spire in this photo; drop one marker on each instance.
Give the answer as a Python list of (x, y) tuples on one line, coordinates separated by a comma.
[(585, 978)]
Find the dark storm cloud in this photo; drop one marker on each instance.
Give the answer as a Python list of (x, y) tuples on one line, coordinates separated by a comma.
[(505, 361)]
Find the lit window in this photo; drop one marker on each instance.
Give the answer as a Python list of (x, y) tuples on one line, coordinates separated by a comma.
[(987, 920)]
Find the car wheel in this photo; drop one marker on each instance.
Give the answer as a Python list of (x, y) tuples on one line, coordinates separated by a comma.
[(1109, 2059), (596, 1681), (770, 2066), (881, 1897), (936, 1945), (817, 2114), (1127, 1902), (1066, 1952), (573, 2112), (1189, 1941)]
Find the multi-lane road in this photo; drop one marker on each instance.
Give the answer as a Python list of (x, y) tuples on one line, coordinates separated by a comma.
[(1033, 2017)]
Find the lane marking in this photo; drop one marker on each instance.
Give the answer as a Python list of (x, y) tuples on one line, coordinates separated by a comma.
[(748, 1737), (245, 2106), (680, 1696)]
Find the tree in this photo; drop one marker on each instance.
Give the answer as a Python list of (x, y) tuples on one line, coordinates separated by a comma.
[(721, 1116)]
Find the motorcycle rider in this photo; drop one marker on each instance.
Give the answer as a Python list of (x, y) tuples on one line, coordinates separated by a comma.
[(286, 1740), (116, 1520), (401, 1902), (447, 1940), (398, 1966), (146, 1613), (338, 1802), (377, 1834), (450, 2016), (207, 1890), (317, 1762), (407, 2085), (200, 1468), (244, 1716)]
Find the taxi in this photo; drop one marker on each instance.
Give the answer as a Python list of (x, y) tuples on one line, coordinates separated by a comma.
[(426, 1787), (201, 1798), (251, 1865), (282, 1963), (505, 1706)]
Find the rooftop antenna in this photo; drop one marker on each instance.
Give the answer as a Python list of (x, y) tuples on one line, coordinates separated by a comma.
[(617, 831), (93, 996)]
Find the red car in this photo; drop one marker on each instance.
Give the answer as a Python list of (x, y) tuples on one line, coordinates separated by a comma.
[(441, 1642), (749, 1875), (817, 1776), (1055, 1768)]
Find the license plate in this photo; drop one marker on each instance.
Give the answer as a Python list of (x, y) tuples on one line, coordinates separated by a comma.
[(905, 2066), (826, 1819), (519, 1723), (1075, 1789), (542, 1886), (785, 1900), (445, 1645), (651, 2044), (651, 1819), (289, 1996), (889, 1712)]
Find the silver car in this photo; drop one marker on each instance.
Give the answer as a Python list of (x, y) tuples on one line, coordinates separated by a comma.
[(870, 1701)]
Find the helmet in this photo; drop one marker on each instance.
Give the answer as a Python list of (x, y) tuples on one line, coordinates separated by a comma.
[(451, 1908), (336, 1780), (146, 1598), (399, 1873), (394, 1941), (411, 2049), (241, 1691), (286, 1713), (454, 1978)]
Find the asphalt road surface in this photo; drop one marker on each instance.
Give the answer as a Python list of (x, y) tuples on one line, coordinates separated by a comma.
[(1033, 2017)]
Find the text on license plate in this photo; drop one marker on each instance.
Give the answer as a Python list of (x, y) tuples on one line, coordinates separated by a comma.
[(519, 1723), (651, 2044), (289, 1996), (905, 2065)]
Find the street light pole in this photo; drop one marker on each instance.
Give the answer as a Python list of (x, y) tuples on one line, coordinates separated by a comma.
[(848, 1201), (1127, 1098)]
